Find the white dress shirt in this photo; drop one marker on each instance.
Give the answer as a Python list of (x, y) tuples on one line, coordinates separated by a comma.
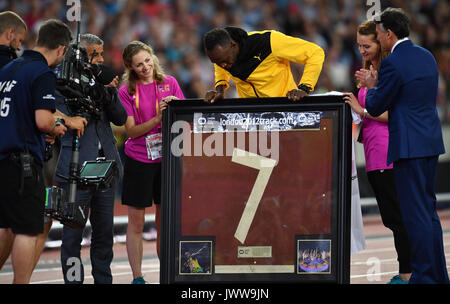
[(398, 42)]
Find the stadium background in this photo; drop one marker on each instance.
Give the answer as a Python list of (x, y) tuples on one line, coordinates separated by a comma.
[(174, 28)]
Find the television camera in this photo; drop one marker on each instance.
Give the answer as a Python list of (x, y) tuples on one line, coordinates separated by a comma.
[(83, 83)]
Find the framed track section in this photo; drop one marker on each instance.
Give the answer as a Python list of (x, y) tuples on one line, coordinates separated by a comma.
[(256, 190)]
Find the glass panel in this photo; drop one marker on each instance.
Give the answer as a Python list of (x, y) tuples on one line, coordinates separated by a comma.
[(258, 196)]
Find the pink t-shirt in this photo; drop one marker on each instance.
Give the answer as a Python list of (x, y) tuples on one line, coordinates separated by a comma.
[(375, 139), (149, 95)]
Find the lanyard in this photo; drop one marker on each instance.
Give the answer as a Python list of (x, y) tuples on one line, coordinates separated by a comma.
[(137, 100)]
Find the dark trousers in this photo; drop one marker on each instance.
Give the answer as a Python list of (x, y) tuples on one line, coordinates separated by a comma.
[(415, 179), (101, 207), (383, 185)]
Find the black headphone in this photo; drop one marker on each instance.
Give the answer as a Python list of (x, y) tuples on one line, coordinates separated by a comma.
[(9, 51)]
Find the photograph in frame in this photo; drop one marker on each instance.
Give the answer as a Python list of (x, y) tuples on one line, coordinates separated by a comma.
[(195, 257), (314, 256)]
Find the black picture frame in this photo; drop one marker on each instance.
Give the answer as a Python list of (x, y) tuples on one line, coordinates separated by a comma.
[(338, 114)]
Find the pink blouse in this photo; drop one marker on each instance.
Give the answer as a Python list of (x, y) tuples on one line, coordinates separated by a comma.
[(149, 96), (375, 139)]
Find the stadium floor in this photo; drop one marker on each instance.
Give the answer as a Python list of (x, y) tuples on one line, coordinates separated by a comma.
[(374, 265)]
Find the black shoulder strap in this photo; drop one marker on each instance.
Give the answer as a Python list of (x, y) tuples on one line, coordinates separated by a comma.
[(8, 51), (14, 72)]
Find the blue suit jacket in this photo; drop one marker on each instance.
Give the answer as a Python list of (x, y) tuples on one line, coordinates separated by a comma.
[(96, 131), (407, 87)]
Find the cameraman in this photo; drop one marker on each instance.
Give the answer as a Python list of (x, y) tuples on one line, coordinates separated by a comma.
[(12, 33), (27, 102), (98, 141)]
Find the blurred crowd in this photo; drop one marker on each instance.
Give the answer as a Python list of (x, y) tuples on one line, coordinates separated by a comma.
[(174, 28)]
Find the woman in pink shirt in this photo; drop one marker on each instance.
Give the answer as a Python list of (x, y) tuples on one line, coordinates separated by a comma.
[(374, 135), (144, 95)]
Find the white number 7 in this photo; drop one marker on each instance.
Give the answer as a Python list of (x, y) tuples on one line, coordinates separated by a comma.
[(265, 166)]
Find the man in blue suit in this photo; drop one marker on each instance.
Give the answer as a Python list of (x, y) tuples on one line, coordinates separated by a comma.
[(407, 86)]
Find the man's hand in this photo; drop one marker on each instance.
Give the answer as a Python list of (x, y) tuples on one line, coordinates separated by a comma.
[(50, 139), (114, 82), (76, 123), (213, 96), (59, 129), (296, 95)]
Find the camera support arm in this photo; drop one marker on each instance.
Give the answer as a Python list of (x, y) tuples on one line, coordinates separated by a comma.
[(74, 168), (73, 174)]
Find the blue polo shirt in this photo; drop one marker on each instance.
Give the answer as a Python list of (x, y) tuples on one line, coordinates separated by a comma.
[(32, 87)]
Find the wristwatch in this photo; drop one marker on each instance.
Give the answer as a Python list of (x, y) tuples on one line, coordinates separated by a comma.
[(364, 113), (305, 88), (60, 121)]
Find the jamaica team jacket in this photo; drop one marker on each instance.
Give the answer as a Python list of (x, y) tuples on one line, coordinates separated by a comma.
[(263, 68)]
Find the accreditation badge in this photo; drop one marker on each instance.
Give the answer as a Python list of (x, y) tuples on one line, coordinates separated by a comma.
[(154, 146)]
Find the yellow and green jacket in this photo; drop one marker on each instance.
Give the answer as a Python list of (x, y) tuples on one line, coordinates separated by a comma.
[(263, 67)]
